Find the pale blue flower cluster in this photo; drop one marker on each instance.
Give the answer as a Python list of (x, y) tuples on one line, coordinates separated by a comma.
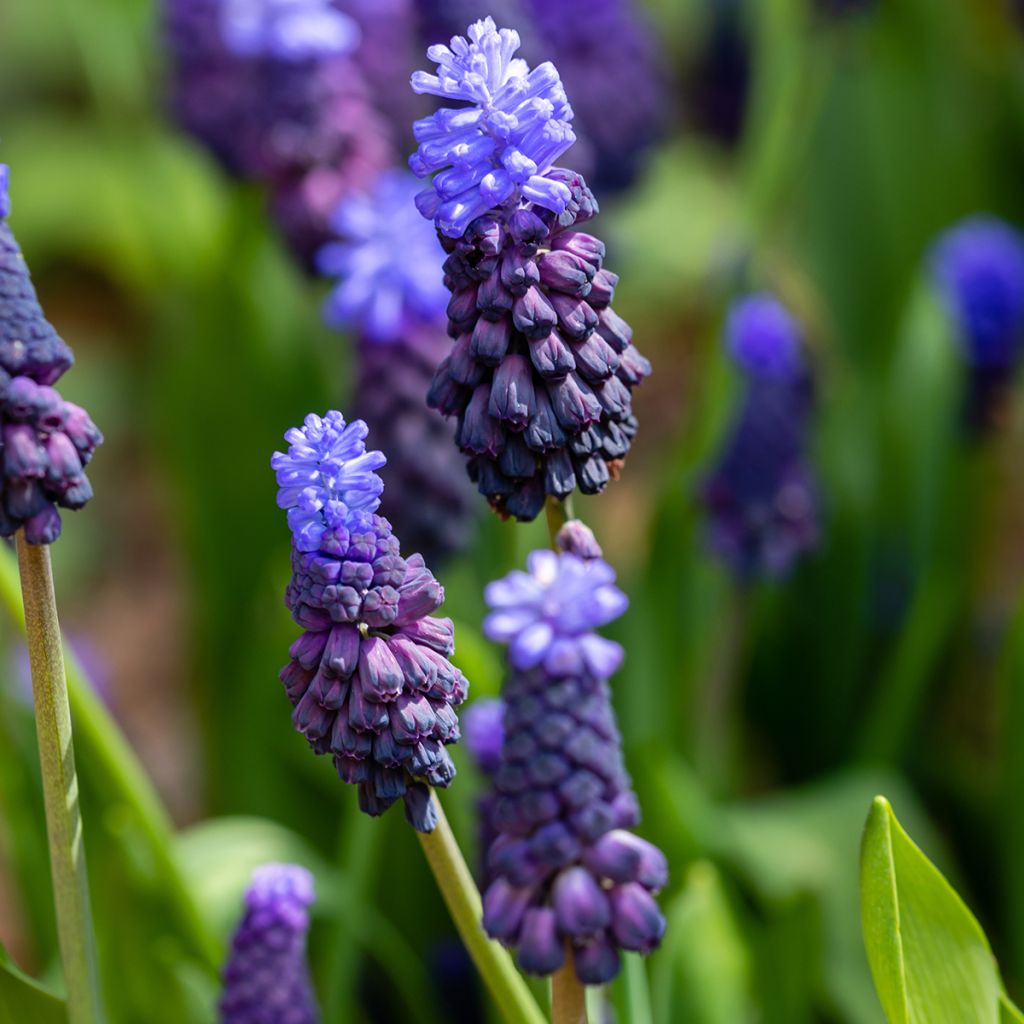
[(497, 147), (287, 29), (388, 262), (548, 615), (326, 474)]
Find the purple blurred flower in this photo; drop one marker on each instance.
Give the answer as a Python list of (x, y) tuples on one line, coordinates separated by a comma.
[(548, 615), (326, 471), (288, 29), (388, 260), (500, 146), (484, 729), (761, 497), (266, 978)]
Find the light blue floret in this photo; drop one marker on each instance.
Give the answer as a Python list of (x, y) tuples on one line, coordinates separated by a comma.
[(326, 475), (500, 146), (388, 261), (287, 29)]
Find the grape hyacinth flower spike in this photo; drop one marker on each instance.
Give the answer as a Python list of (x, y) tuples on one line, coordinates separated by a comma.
[(761, 497), (978, 266), (540, 375), (266, 978), (566, 871), (391, 292), (370, 679), (47, 442)]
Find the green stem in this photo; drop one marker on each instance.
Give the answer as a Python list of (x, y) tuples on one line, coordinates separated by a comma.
[(568, 996), (60, 785), (558, 514), (506, 985), (112, 762)]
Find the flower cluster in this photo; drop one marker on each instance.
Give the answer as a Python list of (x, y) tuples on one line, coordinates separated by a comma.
[(391, 292), (46, 441), (266, 978), (761, 497), (370, 679), (564, 868), (497, 148), (979, 267), (541, 372), (269, 87), (620, 115)]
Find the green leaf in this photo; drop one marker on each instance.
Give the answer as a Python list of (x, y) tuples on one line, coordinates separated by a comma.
[(929, 957), (22, 999), (1008, 1013)]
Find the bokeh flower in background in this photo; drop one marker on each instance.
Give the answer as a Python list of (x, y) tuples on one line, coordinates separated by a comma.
[(391, 293), (978, 266), (564, 869), (266, 978), (370, 679), (542, 367), (761, 497), (47, 442)]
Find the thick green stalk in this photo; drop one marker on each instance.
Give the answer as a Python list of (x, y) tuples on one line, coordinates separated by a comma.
[(558, 514), (507, 987), (60, 785)]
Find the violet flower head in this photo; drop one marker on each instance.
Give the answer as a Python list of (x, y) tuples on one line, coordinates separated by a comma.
[(287, 29), (326, 472), (370, 679), (761, 497), (564, 869), (979, 266), (497, 148), (46, 441), (548, 615), (266, 978), (483, 724), (388, 260)]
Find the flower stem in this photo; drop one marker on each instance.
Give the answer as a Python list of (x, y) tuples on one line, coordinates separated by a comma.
[(506, 985), (60, 785), (568, 997), (558, 514)]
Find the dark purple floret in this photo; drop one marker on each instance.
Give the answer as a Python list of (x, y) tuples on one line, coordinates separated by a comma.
[(305, 127), (761, 498), (622, 113), (370, 680), (426, 493), (266, 978), (542, 367), (979, 267), (565, 869)]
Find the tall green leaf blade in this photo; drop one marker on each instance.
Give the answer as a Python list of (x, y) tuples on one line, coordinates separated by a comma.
[(24, 1000), (1008, 1013), (929, 957)]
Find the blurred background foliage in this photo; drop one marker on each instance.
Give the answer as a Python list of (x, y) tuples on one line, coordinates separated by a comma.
[(759, 722)]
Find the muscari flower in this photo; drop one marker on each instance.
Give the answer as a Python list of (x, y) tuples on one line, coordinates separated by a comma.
[(266, 978), (978, 266), (297, 118), (565, 869), (46, 441), (370, 679), (761, 497), (542, 367), (621, 115), (391, 292)]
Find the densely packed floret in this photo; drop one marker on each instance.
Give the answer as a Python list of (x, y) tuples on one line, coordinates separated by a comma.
[(542, 367), (266, 978), (979, 267), (370, 678), (761, 497), (46, 441), (564, 870)]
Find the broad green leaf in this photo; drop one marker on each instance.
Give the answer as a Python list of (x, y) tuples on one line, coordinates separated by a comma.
[(929, 957), (23, 1000), (1008, 1013)]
